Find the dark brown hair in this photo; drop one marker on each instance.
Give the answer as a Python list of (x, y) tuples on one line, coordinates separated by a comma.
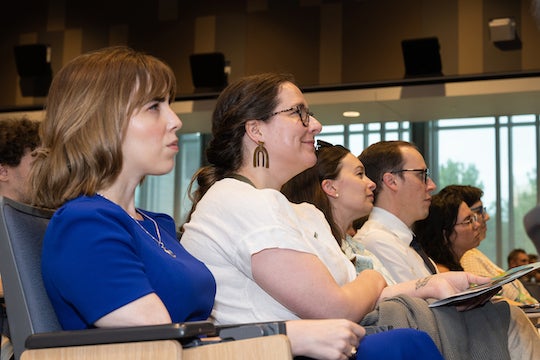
[(434, 232), (17, 135), (306, 186), (383, 157), (251, 97), (470, 194)]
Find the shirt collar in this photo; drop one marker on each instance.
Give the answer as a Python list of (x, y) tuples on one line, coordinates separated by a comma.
[(392, 223)]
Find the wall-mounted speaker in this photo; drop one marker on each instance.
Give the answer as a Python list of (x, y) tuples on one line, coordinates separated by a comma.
[(208, 71), (502, 29), (34, 68), (503, 34), (421, 57)]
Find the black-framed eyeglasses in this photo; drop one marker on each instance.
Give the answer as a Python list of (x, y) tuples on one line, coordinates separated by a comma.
[(469, 221), (480, 210), (425, 173), (302, 111)]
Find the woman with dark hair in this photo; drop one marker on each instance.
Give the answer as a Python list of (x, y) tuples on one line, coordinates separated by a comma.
[(476, 262), (318, 186), (450, 230)]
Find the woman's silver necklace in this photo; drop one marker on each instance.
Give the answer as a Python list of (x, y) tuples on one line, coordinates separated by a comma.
[(158, 233)]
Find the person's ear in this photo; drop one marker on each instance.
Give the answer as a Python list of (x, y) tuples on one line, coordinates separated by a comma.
[(3, 173), (389, 180), (329, 189), (253, 130), (446, 237)]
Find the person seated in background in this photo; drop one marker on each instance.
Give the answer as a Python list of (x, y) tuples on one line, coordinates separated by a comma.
[(402, 197), (476, 262), (18, 138), (517, 257), (450, 230), (106, 263), (271, 257)]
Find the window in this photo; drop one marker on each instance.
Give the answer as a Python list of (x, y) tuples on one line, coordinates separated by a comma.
[(356, 137), (168, 193), (498, 155)]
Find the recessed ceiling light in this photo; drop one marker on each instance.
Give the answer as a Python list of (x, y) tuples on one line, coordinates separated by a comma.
[(351, 114)]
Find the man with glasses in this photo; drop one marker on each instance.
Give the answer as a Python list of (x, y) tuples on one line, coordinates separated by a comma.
[(476, 262), (402, 197)]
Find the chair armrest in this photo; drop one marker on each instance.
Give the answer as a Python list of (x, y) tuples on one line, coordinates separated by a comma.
[(252, 330), (182, 332), (276, 347)]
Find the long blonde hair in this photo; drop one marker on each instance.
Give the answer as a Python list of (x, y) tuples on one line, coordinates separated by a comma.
[(88, 108)]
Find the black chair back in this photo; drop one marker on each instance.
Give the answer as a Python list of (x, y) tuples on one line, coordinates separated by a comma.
[(22, 228)]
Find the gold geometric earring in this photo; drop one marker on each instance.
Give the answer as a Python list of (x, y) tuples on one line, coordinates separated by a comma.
[(260, 156)]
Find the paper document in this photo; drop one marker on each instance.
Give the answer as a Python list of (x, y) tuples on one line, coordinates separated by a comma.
[(493, 287)]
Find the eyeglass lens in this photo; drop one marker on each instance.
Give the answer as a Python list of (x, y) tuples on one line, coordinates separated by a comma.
[(425, 173), (471, 220), (304, 114), (480, 210)]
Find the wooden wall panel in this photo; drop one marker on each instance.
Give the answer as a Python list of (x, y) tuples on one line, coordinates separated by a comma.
[(372, 33), (319, 41), (284, 41)]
